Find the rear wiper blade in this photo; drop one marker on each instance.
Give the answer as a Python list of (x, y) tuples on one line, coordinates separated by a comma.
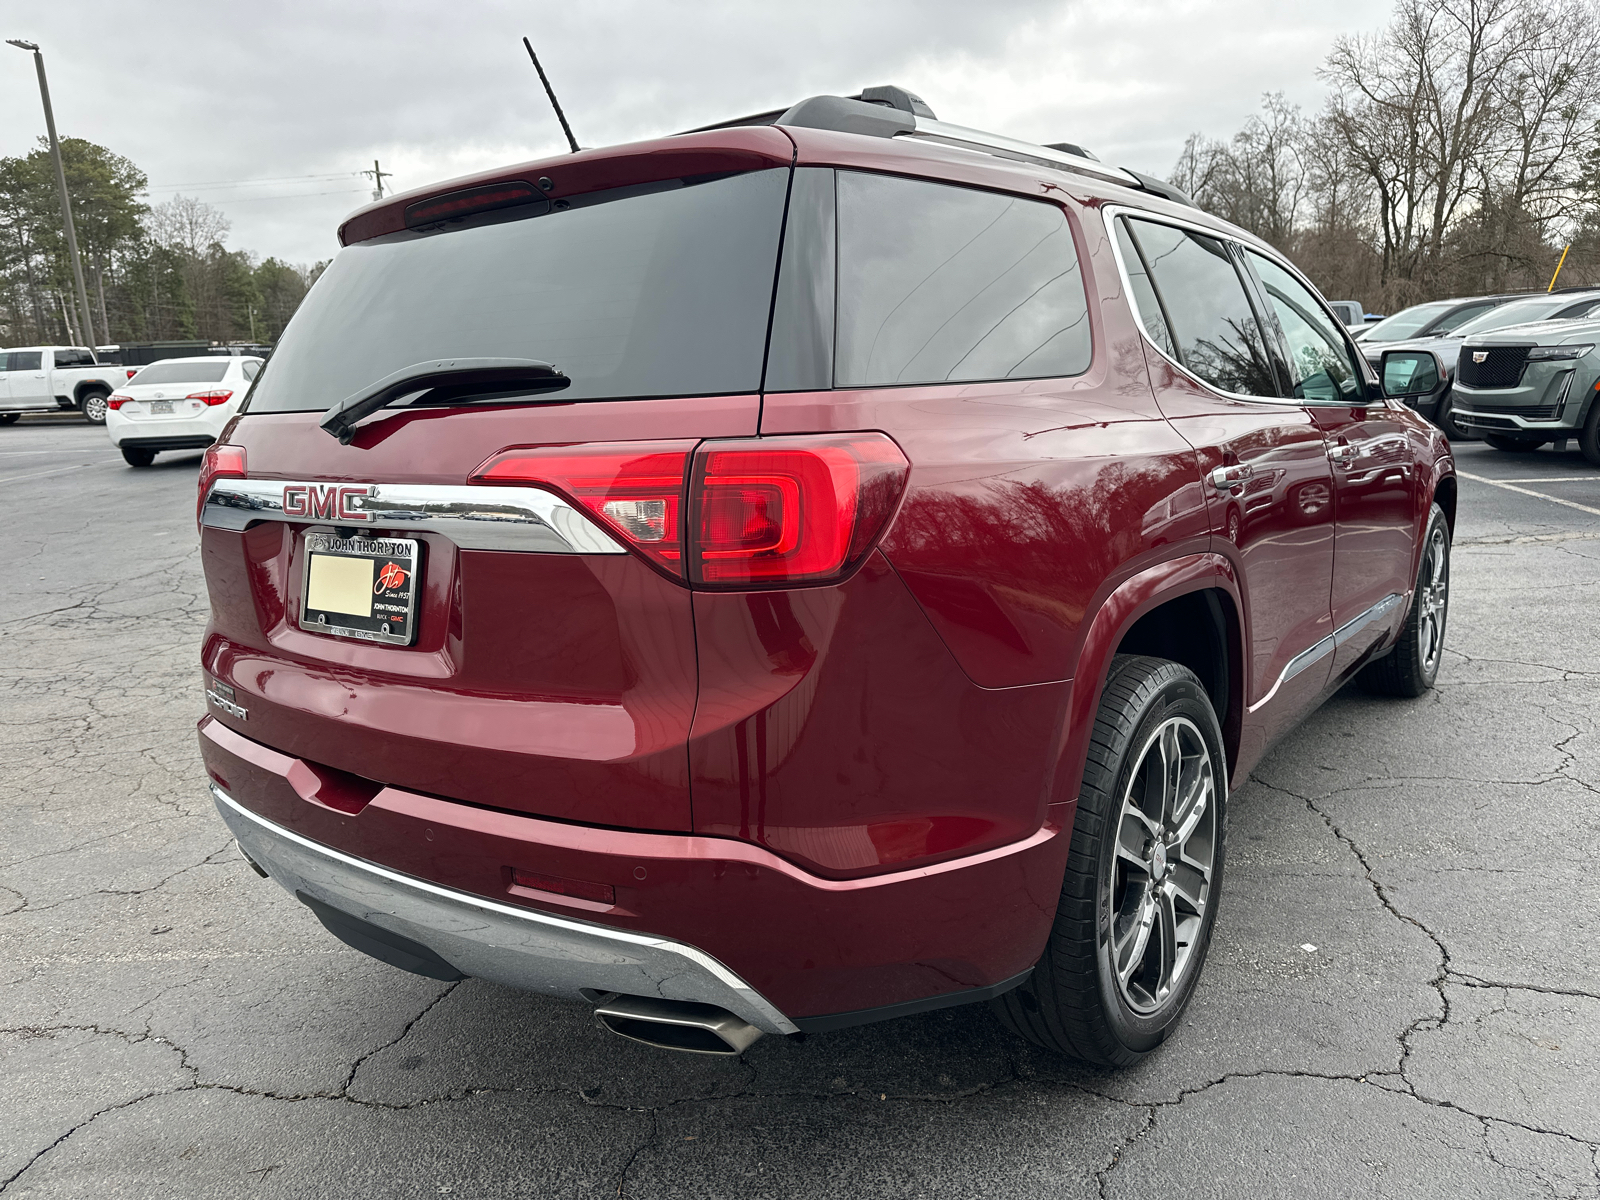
[(445, 379)]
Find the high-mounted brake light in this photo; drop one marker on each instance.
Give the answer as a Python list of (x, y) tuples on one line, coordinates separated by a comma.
[(220, 462), (634, 489), (752, 512), (782, 511), (117, 399), (473, 200), (213, 398)]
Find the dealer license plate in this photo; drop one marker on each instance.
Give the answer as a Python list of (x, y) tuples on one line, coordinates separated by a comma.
[(361, 587), (160, 408)]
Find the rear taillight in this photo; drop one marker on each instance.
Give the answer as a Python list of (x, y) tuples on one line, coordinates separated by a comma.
[(634, 489), (220, 462), (213, 398), (730, 514), (116, 400)]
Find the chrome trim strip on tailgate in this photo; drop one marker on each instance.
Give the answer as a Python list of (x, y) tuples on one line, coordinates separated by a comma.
[(519, 947), (526, 519)]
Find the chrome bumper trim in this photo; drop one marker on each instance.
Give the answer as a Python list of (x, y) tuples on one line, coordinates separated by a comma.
[(518, 947), (525, 519), (1554, 424)]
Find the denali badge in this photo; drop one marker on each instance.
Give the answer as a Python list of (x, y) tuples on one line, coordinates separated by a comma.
[(221, 695), (326, 501), (1479, 355)]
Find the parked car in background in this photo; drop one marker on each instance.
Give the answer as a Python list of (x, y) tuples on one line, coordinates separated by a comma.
[(1352, 314), (177, 404), (51, 378), (857, 596), (1426, 320), (1438, 405), (142, 354), (1525, 387)]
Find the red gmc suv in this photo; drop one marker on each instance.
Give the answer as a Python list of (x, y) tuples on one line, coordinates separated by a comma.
[(819, 568)]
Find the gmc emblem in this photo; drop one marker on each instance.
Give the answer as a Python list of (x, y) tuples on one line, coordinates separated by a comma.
[(325, 501)]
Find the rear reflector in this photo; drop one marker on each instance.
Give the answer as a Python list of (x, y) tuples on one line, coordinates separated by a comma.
[(599, 893), (220, 462), (730, 514), (212, 399)]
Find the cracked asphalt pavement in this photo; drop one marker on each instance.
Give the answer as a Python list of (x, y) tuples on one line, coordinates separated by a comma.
[(1403, 998)]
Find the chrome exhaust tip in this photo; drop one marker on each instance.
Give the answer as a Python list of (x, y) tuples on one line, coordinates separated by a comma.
[(677, 1025)]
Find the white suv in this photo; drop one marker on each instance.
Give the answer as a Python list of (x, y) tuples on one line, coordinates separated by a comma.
[(177, 404)]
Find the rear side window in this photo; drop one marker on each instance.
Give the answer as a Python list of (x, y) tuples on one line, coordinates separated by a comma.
[(24, 360), (948, 284), (183, 372), (251, 369), (1320, 363), (654, 290), (1203, 302), (74, 358)]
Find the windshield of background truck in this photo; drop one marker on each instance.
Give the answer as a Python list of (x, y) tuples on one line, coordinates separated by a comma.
[(1404, 323), (1518, 312), (657, 290)]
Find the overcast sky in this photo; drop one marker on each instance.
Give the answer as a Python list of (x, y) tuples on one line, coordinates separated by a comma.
[(267, 110)]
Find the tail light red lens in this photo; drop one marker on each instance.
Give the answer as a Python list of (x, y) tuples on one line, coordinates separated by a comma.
[(752, 513), (116, 400), (220, 462), (634, 489), (775, 512), (214, 398)]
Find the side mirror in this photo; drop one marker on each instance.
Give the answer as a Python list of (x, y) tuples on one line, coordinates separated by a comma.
[(1409, 373)]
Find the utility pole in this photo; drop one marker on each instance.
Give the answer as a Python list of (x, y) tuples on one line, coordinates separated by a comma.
[(378, 176), (85, 316)]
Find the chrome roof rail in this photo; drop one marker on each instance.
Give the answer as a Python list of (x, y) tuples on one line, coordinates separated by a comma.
[(890, 111)]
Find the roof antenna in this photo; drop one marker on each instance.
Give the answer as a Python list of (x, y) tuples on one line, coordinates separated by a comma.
[(551, 92)]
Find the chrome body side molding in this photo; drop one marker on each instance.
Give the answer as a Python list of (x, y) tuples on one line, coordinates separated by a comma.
[(525, 519), (520, 947), (1329, 644)]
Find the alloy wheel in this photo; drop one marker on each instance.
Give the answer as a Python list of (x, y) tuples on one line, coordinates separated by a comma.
[(1161, 878), (94, 409), (1433, 599)]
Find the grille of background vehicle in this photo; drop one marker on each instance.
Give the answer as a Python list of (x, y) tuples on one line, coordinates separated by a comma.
[(1502, 367), (1536, 412)]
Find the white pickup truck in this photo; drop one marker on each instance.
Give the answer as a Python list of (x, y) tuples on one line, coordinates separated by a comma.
[(48, 378)]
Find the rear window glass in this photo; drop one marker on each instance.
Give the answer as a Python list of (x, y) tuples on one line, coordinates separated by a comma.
[(661, 290), (939, 283), (182, 372)]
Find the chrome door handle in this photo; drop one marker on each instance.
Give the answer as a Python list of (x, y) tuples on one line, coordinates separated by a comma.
[(1225, 479), (1342, 454)]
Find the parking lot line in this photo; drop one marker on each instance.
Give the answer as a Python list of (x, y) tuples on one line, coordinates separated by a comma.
[(1525, 492), (57, 471), (1557, 479)]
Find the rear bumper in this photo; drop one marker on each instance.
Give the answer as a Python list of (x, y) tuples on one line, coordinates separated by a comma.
[(519, 947), (192, 431), (711, 919)]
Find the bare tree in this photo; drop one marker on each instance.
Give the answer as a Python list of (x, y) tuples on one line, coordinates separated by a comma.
[(184, 223)]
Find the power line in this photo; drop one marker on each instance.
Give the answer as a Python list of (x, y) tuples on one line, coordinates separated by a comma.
[(290, 196), (163, 187)]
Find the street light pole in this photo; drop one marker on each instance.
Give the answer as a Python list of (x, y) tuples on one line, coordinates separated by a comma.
[(85, 317)]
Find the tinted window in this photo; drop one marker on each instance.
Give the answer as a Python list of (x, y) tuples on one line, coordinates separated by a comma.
[(660, 290), (1145, 302), (1204, 302), (800, 353), (1404, 323), (939, 283), (1321, 366), (182, 372), (1461, 317), (24, 360), (74, 358)]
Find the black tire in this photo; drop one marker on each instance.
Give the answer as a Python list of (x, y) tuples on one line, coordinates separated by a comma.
[(93, 406), (136, 457), (1446, 418), (1589, 435), (10, 418), (1412, 666), (1513, 443), (1076, 1002)]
